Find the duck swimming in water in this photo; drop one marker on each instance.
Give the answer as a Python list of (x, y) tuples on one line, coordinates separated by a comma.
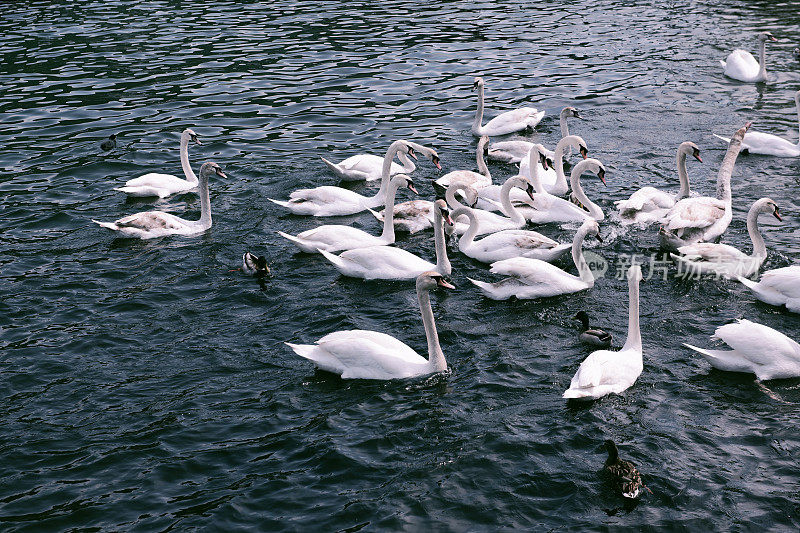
[(255, 265), (593, 336), (623, 473)]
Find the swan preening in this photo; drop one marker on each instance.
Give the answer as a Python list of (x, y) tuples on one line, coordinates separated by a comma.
[(742, 66), (703, 218), (336, 237), (535, 278), (364, 354), (780, 286), (388, 262), (515, 151), (151, 224), (756, 142), (504, 123), (757, 349), (163, 185), (725, 260), (648, 204), (605, 372)]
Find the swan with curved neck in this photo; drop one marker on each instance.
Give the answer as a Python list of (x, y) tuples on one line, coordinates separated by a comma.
[(388, 262), (516, 151), (475, 180), (703, 218), (725, 260), (335, 201), (151, 224), (504, 123), (756, 142), (741, 65), (555, 181), (534, 278), (336, 237), (486, 221), (648, 204), (363, 354), (605, 372), (163, 185)]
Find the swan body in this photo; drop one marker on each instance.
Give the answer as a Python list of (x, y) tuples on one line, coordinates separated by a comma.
[(648, 204), (554, 180), (725, 260), (388, 262), (336, 201), (476, 180), (757, 349), (606, 372), (504, 123), (152, 224), (255, 265), (624, 474), (515, 151), (780, 286), (756, 142), (593, 336), (703, 218), (336, 237), (163, 185), (362, 354), (741, 65), (535, 278), (368, 167)]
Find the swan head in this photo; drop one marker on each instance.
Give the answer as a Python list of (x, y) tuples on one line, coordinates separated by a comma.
[(635, 274), (209, 168), (430, 280), (403, 180), (478, 84), (190, 135), (690, 148), (591, 228), (591, 165), (768, 205), (570, 111), (483, 144), (441, 207), (766, 36), (543, 159), (430, 153)]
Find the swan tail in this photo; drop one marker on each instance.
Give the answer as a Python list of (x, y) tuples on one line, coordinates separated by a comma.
[(333, 167), (536, 118), (318, 356), (727, 141), (299, 242), (729, 360), (750, 284), (108, 225), (723, 63), (281, 203), (337, 261), (487, 289)]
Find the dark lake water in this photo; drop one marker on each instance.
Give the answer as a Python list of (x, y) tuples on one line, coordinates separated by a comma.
[(145, 385)]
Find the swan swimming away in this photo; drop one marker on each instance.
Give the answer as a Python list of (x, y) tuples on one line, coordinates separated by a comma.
[(515, 151), (152, 224), (756, 349), (504, 123), (725, 260), (605, 372), (361, 354), (336, 237), (388, 262), (163, 185), (741, 65), (648, 204), (780, 286), (756, 142)]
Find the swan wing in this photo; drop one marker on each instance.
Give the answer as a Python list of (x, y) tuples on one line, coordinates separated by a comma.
[(757, 142), (537, 272), (379, 262), (467, 177), (700, 212), (152, 220), (758, 343), (646, 199), (154, 179), (514, 120), (785, 280), (335, 237), (509, 151), (711, 253), (741, 65)]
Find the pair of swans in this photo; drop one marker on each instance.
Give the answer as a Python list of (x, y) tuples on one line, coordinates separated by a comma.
[(152, 224), (553, 180), (756, 142), (725, 260), (648, 204), (336, 201), (780, 286), (605, 372), (163, 185), (756, 349), (363, 354), (504, 123), (703, 218), (515, 151), (388, 262), (741, 65), (337, 237), (535, 278)]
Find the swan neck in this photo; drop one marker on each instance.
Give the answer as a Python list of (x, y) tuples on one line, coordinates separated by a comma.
[(191, 177), (408, 164), (558, 156), (536, 180), (436, 360), (759, 246), (476, 124), (683, 175), (388, 217), (577, 256), (469, 235), (505, 200), (726, 170), (385, 170), (762, 58), (205, 202), (450, 196), (482, 168), (577, 189), (442, 261), (634, 340), (562, 121)]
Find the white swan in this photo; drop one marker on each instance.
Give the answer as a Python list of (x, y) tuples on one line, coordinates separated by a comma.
[(417, 215), (534, 278), (490, 198), (756, 142), (757, 349), (606, 372), (543, 207), (163, 185), (475, 180), (336, 237), (151, 224), (515, 151), (723, 259), (703, 218), (368, 167), (388, 262), (361, 354), (504, 123), (648, 204), (333, 201), (486, 221), (554, 180), (780, 286), (741, 65)]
